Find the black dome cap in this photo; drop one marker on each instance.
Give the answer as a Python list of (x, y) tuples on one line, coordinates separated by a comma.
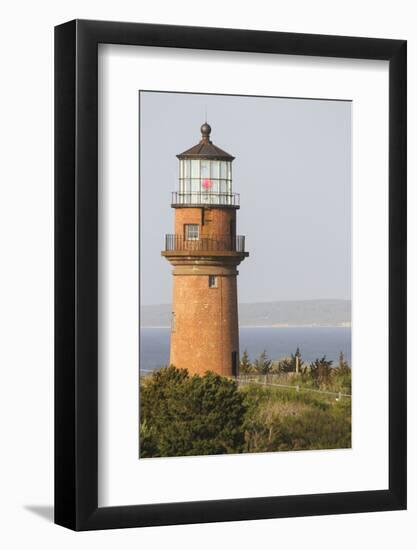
[(206, 148), (205, 131)]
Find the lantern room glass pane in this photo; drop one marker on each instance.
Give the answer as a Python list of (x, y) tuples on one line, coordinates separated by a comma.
[(195, 186), (223, 169), (204, 181), (215, 186), (215, 169), (205, 169), (195, 168)]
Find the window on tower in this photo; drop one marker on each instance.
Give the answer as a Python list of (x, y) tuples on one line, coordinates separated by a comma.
[(212, 281), (191, 232)]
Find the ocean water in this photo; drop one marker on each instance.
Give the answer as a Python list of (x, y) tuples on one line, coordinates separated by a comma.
[(278, 342)]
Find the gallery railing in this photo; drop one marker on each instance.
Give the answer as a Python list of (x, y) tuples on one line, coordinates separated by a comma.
[(209, 244), (205, 198)]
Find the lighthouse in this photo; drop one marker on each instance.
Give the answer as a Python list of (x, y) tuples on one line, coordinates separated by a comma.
[(205, 252)]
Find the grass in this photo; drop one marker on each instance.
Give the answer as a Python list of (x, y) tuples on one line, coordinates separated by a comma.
[(279, 419)]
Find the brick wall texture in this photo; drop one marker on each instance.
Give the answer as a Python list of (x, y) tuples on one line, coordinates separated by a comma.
[(204, 332)]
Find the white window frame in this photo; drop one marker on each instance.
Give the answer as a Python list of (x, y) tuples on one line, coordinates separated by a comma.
[(187, 234)]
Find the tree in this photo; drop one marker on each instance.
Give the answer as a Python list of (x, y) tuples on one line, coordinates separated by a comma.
[(298, 362), (321, 371), (285, 364), (289, 364), (342, 376), (185, 416), (263, 365), (245, 364), (343, 365)]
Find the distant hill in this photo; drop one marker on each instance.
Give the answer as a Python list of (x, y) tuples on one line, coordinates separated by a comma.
[(283, 313)]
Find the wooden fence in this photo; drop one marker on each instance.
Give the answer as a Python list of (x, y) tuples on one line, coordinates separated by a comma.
[(267, 380)]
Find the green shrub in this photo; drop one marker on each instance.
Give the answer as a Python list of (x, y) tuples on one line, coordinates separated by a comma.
[(182, 415)]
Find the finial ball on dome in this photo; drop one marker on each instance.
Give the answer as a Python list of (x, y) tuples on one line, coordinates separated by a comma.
[(205, 130)]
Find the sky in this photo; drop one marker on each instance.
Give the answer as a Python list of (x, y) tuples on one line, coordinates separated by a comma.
[(293, 172)]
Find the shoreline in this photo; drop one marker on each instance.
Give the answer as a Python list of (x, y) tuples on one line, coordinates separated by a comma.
[(278, 326)]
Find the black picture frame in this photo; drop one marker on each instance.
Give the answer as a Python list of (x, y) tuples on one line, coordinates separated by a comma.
[(76, 272)]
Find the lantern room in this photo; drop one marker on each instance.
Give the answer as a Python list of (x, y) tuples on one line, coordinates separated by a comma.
[(205, 175)]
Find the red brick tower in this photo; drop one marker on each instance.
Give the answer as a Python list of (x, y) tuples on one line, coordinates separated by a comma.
[(205, 252)]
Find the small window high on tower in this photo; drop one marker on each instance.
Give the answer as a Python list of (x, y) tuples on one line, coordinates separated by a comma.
[(191, 232)]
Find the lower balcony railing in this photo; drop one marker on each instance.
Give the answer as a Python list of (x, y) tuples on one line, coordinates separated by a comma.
[(209, 244)]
